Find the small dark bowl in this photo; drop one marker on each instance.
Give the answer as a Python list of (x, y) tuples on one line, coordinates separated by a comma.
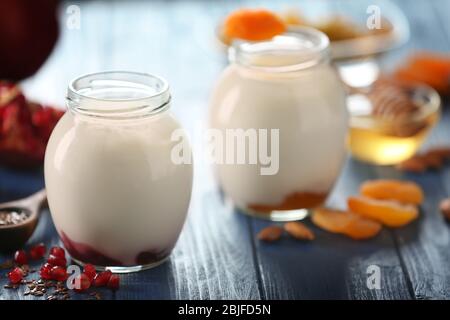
[(15, 236)]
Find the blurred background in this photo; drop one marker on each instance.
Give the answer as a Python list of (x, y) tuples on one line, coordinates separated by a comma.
[(46, 43)]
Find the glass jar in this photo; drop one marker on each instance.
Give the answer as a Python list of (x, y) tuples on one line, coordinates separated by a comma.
[(116, 195), (279, 108)]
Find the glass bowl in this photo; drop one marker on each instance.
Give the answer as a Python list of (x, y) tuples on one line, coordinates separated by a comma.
[(317, 12), (387, 142)]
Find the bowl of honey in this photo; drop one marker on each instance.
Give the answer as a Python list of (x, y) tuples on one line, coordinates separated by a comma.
[(390, 120)]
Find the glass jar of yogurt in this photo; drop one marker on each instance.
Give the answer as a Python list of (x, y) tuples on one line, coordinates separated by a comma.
[(280, 110), (117, 198)]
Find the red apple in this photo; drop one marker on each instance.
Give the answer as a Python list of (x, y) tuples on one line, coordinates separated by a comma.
[(28, 33)]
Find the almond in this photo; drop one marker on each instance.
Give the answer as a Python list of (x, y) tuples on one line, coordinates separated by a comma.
[(299, 231), (270, 233)]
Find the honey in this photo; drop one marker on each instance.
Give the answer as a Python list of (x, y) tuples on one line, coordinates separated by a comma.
[(389, 123), (377, 146)]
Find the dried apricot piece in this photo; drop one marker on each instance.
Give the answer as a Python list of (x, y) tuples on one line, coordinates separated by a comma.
[(415, 73), (346, 223), (299, 231), (384, 189), (270, 233), (433, 160), (426, 67), (254, 25), (388, 212), (362, 228), (331, 220), (437, 64)]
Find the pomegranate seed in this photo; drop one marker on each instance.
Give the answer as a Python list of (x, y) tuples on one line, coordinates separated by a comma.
[(89, 270), (114, 282), (45, 272), (38, 251), (58, 273), (83, 281), (57, 261), (102, 278), (20, 257), (16, 275), (58, 252)]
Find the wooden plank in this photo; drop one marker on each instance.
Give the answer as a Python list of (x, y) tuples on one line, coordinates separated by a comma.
[(16, 184), (424, 245), (332, 267), (213, 257), (77, 52), (46, 233)]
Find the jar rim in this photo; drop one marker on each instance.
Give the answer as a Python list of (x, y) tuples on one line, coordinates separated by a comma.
[(118, 94), (299, 48)]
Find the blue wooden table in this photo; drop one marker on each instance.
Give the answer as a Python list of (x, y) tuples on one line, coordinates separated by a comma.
[(217, 255)]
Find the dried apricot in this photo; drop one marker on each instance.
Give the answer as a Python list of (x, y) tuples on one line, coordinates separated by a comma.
[(270, 233), (416, 164), (433, 160), (362, 228), (383, 189), (443, 152), (418, 73), (388, 212), (298, 230), (346, 223), (254, 25), (426, 67), (436, 64), (331, 220)]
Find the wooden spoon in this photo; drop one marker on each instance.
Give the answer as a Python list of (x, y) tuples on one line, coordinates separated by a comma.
[(13, 236)]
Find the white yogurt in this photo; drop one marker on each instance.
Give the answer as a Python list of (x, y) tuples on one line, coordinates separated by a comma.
[(307, 105), (113, 188)]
